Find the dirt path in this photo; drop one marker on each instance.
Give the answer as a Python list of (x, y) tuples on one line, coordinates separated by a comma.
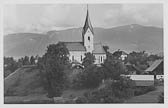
[(151, 97)]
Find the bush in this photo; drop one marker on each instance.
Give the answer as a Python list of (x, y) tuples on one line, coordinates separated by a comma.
[(161, 98), (81, 100), (91, 77), (114, 92)]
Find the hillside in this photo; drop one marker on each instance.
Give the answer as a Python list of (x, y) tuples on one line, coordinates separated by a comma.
[(24, 81), (128, 38)]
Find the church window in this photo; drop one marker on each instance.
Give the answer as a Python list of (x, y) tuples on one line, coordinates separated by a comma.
[(72, 58), (89, 38), (81, 57)]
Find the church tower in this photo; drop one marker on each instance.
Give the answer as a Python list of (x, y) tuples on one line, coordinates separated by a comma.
[(88, 34)]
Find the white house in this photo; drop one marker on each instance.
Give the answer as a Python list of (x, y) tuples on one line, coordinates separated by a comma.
[(77, 50)]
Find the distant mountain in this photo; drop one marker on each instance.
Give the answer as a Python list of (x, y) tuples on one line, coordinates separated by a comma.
[(128, 38)]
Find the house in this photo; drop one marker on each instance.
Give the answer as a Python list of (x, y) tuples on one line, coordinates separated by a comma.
[(156, 68), (142, 80), (120, 54), (77, 50)]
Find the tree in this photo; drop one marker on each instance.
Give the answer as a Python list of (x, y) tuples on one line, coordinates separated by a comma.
[(106, 48), (153, 57), (53, 63), (32, 60), (20, 61), (91, 77), (88, 60), (113, 67), (139, 59), (26, 60), (10, 65)]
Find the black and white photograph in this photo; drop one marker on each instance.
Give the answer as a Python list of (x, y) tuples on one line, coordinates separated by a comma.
[(83, 53)]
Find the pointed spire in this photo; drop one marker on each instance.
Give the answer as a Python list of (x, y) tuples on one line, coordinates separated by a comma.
[(87, 23)]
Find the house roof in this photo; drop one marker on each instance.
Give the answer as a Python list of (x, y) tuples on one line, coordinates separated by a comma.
[(154, 65), (78, 46), (75, 46), (98, 49)]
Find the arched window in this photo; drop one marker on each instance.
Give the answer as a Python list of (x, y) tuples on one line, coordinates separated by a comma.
[(101, 59), (81, 57), (72, 58), (89, 38)]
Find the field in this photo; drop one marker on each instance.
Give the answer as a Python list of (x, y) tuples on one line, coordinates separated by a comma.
[(23, 86)]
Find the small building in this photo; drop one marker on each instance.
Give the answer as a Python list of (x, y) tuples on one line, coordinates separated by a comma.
[(142, 80), (156, 68), (120, 54)]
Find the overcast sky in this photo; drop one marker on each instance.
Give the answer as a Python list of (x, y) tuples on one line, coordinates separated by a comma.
[(42, 18)]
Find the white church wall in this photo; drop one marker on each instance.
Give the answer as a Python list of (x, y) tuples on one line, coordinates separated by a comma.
[(99, 58), (77, 56)]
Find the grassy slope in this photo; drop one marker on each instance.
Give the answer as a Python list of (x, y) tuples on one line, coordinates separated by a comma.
[(151, 97), (23, 81)]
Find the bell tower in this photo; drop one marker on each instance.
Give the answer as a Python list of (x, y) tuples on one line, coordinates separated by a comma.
[(88, 34)]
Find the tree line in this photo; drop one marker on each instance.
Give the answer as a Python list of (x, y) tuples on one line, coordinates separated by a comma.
[(10, 64)]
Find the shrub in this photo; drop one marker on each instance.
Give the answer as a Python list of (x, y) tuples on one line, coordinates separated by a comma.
[(114, 92), (161, 98), (81, 100), (91, 77)]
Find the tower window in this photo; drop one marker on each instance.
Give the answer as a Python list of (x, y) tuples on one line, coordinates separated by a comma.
[(81, 57), (89, 38), (72, 58), (101, 59)]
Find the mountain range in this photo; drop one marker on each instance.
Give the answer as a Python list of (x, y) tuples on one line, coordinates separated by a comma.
[(128, 38)]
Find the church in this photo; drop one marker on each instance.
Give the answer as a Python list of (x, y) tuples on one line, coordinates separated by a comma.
[(77, 50)]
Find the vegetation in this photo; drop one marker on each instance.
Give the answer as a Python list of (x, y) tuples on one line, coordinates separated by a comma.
[(143, 90), (88, 60), (91, 77), (161, 98), (10, 65), (106, 80), (113, 68), (113, 92), (52, 65)]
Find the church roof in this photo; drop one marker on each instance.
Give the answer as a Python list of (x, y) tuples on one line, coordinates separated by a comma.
[(75, 46), (98, 49), (87, 24)]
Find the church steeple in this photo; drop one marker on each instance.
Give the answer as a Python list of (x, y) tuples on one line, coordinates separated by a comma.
[(88, 34), (87, 23)]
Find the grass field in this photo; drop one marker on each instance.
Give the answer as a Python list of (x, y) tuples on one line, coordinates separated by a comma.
[(151, 97)]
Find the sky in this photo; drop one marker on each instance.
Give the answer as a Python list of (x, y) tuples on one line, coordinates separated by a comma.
[(45, 17)]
